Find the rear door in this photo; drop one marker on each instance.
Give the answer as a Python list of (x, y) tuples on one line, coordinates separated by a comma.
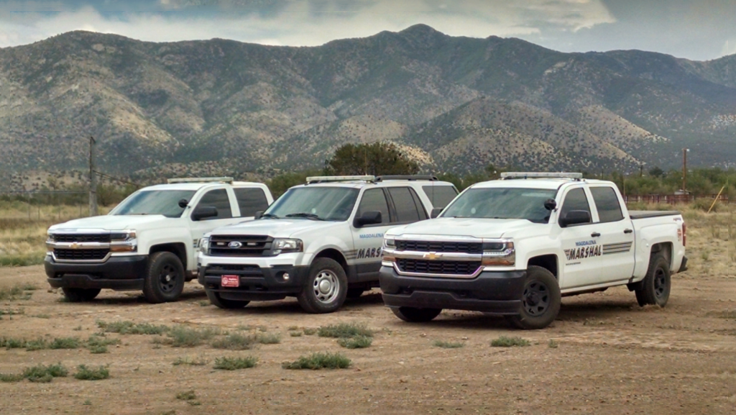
[(250, 200), (439, 195), (616, 236)]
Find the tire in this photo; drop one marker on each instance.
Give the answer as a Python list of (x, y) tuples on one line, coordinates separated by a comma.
[(655, 287), (80, 295), (354, 293), (164, 279), (540, 301), (224, 303), (416, 315), (326, 287)]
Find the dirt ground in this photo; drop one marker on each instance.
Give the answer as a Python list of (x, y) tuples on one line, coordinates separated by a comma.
[(612, 357)]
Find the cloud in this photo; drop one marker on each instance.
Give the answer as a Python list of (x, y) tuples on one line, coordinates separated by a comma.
[(298, 22)]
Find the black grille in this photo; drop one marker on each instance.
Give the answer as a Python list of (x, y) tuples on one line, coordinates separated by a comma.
[(250, 245), (242, 270), (75, 237), (438, 267), (427, 246), (81, 254)]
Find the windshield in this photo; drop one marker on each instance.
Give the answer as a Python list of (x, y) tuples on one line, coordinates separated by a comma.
[(154, 202), (502, 203), (317, 203)]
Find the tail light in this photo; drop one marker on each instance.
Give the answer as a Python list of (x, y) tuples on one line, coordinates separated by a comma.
[(684, 233)]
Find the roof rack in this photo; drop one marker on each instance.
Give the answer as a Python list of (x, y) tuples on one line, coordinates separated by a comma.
[(200, 180), (407, 177), (328, 179), (541, 175)]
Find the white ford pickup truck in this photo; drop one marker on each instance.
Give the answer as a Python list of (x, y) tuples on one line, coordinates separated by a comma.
[(514, 246), (147, 242)]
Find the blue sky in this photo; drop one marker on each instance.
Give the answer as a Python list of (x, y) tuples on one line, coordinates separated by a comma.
[(700, 30)]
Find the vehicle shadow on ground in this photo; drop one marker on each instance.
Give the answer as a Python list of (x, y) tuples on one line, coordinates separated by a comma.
[(132, 298), (589, 310), (290, 305)]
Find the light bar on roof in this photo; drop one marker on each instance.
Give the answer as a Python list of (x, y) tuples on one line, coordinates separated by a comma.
[(541, 175), (325, 179), (200, 180)]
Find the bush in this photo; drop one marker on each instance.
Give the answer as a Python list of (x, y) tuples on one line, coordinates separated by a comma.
[(45, 374), (357, 342), (181, 336), (504, 341), (317, 361), (128, 327), (235, 342), (345, 330), (65, 343), (85, 373), (447, 345), (235, 363)]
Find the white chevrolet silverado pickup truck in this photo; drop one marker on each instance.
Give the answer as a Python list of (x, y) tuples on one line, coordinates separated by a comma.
[(514, 246), (147, 242)]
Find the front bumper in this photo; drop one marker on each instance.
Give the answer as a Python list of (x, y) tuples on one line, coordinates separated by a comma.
[(496, 292), (256, 283), (117, 273)]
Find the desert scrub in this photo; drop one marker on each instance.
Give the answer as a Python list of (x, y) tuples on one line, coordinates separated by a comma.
[(45, 374), (317, 361), (344, 330), (4, 377), (235, 341), (17, 292), (235, 363), (190, 361), (447, 345), (182, 336), (88, 373), (268, 338), (98, 344), (357, 342), (65, 343), (504, 341), (129, 327)]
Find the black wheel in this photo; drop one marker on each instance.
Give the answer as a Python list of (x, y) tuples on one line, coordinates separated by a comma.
[(354, 293), (80, 295), (540, 301), (655, 287), (224, 303), (416, 315), (164, 280), (326, 288)]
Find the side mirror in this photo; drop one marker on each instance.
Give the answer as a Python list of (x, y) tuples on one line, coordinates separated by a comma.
[(258, 214), (368, 218), (575, 217), (435, 212), (183, 203), (204, 212), (550, 204)]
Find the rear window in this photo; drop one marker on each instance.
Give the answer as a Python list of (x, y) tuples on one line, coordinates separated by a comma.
[(440, 196), (609, 210), (250, 200)]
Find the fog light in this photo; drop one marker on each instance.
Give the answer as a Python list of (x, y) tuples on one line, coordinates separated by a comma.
[(285, 276)]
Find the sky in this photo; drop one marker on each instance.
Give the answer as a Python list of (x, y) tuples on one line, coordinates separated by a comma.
[(692, 29)]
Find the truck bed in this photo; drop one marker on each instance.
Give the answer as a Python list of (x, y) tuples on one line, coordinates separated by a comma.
[(644, 214)]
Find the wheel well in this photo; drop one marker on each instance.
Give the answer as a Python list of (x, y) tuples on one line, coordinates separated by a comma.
[(665, 248), (548, 262), (177, 249), (335, 255)]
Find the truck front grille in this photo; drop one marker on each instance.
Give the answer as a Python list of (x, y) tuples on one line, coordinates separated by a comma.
[(76, 237), (80, 254), (438, 267), (240, 245), (226, 269), (427, 246)]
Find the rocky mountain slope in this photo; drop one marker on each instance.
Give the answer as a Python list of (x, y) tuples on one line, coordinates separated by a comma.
[(455, 103)]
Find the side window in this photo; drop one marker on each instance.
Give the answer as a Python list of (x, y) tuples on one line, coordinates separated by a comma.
[(374, 200), (440, 196), (575, 200), (217, 198), (250, 200), (406, 208), (609, 209)]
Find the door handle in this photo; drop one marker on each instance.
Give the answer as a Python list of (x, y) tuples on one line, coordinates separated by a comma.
[(595, 234), (628, 230)]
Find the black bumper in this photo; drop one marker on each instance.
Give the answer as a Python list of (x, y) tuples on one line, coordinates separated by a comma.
[(493, 292), (117, 273), (256, 284)]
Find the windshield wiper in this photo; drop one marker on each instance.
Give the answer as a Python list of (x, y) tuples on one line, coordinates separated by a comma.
[(304, 215), (269, 215)]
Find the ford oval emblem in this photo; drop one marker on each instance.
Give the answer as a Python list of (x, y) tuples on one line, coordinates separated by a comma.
[(234, 245)]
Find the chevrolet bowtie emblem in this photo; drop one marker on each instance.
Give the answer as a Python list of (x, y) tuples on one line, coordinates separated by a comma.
[(74, 245), (432, 256)]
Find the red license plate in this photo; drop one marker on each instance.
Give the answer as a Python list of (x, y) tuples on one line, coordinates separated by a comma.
[(232, 281)]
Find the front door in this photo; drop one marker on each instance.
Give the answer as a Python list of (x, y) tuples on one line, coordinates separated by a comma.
[(368, 239), (581, 248)]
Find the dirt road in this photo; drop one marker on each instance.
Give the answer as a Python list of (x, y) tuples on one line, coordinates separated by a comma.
[(612, 357)]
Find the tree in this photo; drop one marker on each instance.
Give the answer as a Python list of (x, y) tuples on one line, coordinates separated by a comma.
[(375, 159), (656, 172)]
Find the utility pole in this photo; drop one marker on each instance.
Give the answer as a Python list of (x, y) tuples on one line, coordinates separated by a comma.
[(684, 170), (92, 178)]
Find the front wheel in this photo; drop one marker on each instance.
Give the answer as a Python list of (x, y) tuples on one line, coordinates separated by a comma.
[(540, 301), (326, 288), (164, 281), (416, 315), (80, 295), (655, 287), (224, 303)]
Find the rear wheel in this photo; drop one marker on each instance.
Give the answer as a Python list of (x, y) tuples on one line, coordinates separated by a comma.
[(655, 287), (540, 301), (224, 303), (80, 295), (416, 315), (326, 288), (164, 280)]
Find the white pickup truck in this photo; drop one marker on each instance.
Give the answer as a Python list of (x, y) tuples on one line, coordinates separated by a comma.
[(149, 241), (320, 242), (514, 246)]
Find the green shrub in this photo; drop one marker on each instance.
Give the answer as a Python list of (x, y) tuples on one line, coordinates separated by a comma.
[(268, 338), (182, 336), (11, 378), (235, 363), (317, 361), (504, 341), (201, 361), (44, 374), (447, 345), (345, 330), (357, 342), (65, 343), (235, 341), (129, 327), (86, 373)]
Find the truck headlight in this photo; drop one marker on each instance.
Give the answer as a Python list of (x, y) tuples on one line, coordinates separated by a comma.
[(389, 245), (204, 245), (286, 245), (123, 241), (498, 253)]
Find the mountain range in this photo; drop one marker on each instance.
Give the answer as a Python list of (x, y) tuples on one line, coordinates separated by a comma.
[(455, 104)]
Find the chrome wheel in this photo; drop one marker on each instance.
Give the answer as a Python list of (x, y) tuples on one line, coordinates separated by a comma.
[(326, 286)]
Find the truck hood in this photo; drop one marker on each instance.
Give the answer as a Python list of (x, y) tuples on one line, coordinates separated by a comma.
[(114, 222), (473, 227), (277, 228)]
